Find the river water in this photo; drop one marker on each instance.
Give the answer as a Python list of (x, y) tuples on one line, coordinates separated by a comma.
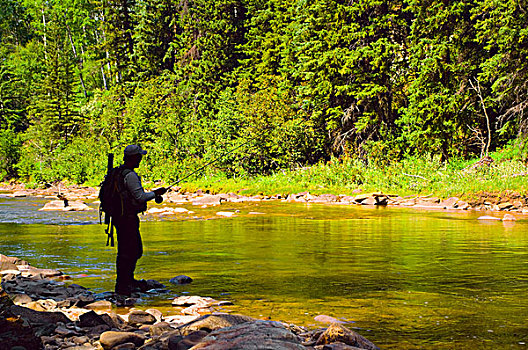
[(405, 279)]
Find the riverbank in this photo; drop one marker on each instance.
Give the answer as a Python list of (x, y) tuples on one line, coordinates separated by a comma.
[(504, 201), (44, 309)]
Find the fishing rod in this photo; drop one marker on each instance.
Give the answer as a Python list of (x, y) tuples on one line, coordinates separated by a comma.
[(159, 199)]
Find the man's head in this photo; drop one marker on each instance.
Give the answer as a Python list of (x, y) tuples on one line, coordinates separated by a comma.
[(132, 155)]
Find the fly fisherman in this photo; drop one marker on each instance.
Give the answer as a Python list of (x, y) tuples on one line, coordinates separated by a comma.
[(129, 245)]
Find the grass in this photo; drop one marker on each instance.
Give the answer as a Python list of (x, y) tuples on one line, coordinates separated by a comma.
[(412, 176)]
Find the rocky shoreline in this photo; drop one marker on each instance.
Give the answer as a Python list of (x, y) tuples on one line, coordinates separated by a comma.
[(44, 309), (73, 197)]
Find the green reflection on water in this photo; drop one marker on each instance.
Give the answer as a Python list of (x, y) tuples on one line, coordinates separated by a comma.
[(407, 279)]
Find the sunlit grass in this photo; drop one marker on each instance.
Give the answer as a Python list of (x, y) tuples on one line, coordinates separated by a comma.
[(412, 176)]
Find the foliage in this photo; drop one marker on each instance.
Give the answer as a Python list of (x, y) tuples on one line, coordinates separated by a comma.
[(262, 87)]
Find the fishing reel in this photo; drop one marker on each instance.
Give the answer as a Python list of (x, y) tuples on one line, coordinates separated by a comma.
[(158, 199)]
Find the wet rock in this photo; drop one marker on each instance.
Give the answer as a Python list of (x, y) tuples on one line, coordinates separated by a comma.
[(111, 339), (20, 194), (181, 279), (252, 335), (213, 322), (338, 333), (139, 317), (153, 284)]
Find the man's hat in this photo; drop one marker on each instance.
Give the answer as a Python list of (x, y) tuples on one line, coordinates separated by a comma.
[(131, 150)]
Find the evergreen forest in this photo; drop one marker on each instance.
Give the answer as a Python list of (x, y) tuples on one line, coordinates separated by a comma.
[(286, 84)]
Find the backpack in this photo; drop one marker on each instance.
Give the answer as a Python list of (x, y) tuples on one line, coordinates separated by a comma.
[(114, 197)]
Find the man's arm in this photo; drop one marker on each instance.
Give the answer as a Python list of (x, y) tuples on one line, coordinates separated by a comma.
[(133, 183)]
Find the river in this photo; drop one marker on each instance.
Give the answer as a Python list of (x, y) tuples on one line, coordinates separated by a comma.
[(404, 278)]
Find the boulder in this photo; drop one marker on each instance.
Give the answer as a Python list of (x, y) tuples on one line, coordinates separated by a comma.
[(139, 317), (36, 318), (449, 202), (338, 333), (192, 300), (178, 343), (208, 200), (252, 336), (13, 330), (111, 339), (181, 279), (213, 322), (65, 205), (91, 319), (489, 218), (505, 205)]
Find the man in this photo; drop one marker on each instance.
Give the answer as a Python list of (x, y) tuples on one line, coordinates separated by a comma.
[(129, 245)]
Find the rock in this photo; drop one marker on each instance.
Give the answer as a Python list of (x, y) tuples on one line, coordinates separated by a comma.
[(368, 201), (20, 299), (160, 328), (36, 318), (64, 205), (101, 305), (449, 202), (20, 194), (252, 336), (91, 319), (339, 333), (504, 206), (187, 342), (156, 313), (487, 217), (337, 346), (327, 319), (226, 214), (13, 330), (7, 263), (139, 317), (192, 300), (125, 346), (509, 217), (181, 279), (462, 205), (208, 200), (111, 339), (213, 322)]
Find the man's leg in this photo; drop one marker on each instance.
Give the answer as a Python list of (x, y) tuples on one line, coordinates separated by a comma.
[(129, 250)]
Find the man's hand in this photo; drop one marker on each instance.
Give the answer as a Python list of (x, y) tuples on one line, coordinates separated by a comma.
[(160, 191)]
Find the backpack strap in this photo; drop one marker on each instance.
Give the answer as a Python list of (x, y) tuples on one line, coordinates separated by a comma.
[(110, 233)]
